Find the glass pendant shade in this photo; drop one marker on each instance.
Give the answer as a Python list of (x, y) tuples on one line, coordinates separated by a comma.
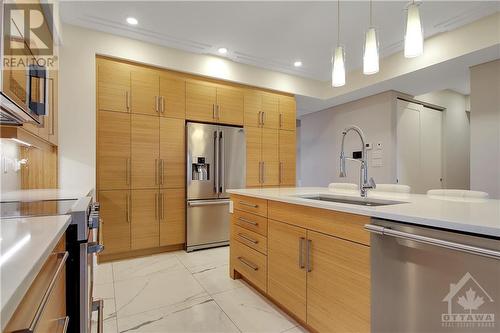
[(414, 37), (370, 55), (338, 70)]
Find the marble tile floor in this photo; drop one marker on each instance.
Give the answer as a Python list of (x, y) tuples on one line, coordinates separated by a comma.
[(183, 292)]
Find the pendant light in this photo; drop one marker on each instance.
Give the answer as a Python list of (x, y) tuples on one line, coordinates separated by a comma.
[(338, 58), (414, 37), (370, 54)]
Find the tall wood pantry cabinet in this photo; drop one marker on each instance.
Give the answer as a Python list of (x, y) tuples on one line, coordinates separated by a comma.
[(141, 159)]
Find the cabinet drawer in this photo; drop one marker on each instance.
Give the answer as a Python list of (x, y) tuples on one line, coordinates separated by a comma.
[(343, 225), (250, 221), (44, 304), (249, 204), (249, 263), (249, 238)]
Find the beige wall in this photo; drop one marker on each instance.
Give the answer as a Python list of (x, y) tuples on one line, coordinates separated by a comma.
[(456, 136), (485, 128), (320, 140)]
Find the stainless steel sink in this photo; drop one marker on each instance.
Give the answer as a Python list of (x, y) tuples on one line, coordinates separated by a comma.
[(350, 200)]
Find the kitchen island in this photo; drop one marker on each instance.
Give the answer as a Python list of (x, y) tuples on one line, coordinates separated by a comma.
[(313, 257)]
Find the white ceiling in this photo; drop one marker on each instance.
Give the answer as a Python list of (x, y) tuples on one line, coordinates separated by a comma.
[(271, 35)]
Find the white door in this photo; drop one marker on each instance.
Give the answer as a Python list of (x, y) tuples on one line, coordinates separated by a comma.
[(431, 122), (419, 146)]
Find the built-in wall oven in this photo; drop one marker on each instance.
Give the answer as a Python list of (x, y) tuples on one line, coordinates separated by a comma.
[(82, 244)]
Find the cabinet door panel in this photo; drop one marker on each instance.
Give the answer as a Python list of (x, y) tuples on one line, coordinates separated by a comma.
[(113, 86), (287, 157), (145, 226), (173, 91), (145, 151), (270, 106), (270, 156), (172, 217), (115, 214), (200, 101), (172, 153), (286, 266), (287, 113), (145, 85), (254, 155), (252, 108), (113, 150), (338, 286), (230, 106)]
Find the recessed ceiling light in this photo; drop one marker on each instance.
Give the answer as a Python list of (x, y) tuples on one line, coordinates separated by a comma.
[(132, 21), (222, 50), (298, 63)]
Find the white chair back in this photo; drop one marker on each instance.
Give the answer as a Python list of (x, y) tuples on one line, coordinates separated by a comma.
[(343, 187), (392, 188), (457, 194)]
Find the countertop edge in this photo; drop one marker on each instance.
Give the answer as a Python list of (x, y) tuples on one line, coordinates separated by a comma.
[(365, 211), (11, 305)]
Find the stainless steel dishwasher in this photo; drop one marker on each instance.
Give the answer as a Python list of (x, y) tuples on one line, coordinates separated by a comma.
[(430, 280)]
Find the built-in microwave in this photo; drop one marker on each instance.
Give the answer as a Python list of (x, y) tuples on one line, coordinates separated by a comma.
[(23, 84)]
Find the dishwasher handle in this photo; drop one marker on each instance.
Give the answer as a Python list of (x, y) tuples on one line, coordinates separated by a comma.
[(376, 229)]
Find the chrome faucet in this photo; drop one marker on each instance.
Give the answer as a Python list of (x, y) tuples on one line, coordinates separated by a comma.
[(364, 182)]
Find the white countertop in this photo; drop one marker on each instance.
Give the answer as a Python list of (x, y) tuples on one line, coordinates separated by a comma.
[(44, 194), (479, 216), (25, 244)]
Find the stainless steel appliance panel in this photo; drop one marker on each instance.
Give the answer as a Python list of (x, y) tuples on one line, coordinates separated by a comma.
[(207, 223), (429, 280), (201, 144), (233, 159)]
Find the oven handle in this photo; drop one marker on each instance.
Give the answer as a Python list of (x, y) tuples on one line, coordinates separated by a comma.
[(433, 241), (39, 311)]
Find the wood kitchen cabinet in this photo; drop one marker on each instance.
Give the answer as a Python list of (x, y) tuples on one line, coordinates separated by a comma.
[(262, 151), (338, 285), (172, 213), (113, 150), (145, 88), (287, 113), (287, 266), (261, 109), (173, 96), (145, 151), (201, 98), (230, 105), (287, 157), (145, 228), (214, 103), (115, 212), (172, 153), (113, 81), (318, 262)]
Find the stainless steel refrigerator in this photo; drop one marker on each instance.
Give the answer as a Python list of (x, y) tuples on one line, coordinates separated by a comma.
[(215, 162)]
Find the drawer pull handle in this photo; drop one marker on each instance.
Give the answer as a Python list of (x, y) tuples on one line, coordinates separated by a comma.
[(248, 263), (248, 221), (248, 204), (39, 311), (245, 237)]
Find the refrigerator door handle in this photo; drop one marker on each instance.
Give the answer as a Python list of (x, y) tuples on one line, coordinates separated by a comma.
[(222, 162), (216, 161)]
